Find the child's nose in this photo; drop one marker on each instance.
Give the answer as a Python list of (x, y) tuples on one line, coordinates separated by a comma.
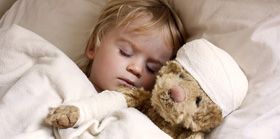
[(135, 69)]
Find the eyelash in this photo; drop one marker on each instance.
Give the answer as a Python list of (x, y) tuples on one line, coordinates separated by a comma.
[(150, 70), (123, 53)]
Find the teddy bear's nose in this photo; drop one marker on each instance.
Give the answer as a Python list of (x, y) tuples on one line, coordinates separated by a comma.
[(177, 93)]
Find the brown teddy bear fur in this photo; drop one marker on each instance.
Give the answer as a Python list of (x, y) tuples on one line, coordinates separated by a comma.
[(190, 118), (196, 115)]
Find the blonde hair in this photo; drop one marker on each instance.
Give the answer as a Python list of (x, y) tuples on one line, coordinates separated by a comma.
[(121, 12)]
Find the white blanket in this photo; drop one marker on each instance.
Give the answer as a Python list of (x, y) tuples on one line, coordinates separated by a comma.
[(35, 75)]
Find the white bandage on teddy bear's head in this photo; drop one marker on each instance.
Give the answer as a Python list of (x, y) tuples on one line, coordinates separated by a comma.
[(217, 73)]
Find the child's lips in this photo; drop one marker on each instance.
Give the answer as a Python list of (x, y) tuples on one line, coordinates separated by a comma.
[(127, 82)]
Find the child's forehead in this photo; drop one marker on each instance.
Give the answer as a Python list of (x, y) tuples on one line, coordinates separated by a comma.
[(151, 40), (145, 26), (150, 37)]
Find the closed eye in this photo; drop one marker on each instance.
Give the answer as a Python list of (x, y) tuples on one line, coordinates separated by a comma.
[(124, 53), (153, 68)]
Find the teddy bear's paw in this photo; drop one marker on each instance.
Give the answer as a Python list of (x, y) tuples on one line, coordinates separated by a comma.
[(63, 116), (134, 96)]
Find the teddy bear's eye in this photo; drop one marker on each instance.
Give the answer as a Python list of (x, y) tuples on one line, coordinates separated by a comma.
[(198, 100), (182, 76)]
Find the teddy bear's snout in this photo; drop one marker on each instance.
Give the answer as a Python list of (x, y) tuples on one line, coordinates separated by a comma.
[(177, 93)]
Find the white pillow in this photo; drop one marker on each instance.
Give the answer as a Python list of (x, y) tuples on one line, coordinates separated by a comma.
[(233, 25), (249, 30), (65, 23)]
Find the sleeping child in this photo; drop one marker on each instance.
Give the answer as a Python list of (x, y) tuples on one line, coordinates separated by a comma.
[(130, 43)]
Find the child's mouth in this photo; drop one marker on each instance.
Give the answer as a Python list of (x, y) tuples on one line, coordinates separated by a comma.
[(126, 82)]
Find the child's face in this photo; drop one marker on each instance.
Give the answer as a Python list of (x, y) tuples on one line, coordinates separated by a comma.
[(128, 58)]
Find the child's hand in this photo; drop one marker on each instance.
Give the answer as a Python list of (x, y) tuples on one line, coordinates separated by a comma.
[(63, 116), (134, 96)]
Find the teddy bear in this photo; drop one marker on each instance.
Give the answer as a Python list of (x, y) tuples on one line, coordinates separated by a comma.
[(178, 105), (192, 94)]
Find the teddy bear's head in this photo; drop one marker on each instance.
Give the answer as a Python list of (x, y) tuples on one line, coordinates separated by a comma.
[(179, 99)]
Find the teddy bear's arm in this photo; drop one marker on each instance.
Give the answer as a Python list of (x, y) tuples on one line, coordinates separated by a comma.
[(75, 112), (134, 96), (66, 116)]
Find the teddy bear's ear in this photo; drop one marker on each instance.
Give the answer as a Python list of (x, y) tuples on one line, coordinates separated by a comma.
[(208, 117), (171, 67)]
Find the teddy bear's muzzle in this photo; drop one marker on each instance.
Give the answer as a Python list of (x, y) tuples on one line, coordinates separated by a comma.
[(177, 93)]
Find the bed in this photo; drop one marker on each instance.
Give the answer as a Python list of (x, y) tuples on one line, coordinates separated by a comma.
[(248, 30)]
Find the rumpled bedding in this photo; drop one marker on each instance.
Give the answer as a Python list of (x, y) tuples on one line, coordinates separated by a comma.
[(35, 75)]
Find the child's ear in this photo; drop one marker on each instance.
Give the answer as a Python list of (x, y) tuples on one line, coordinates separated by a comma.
[(90, 51)]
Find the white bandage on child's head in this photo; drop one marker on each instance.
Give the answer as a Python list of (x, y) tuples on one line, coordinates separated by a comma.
[(217, 73)]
